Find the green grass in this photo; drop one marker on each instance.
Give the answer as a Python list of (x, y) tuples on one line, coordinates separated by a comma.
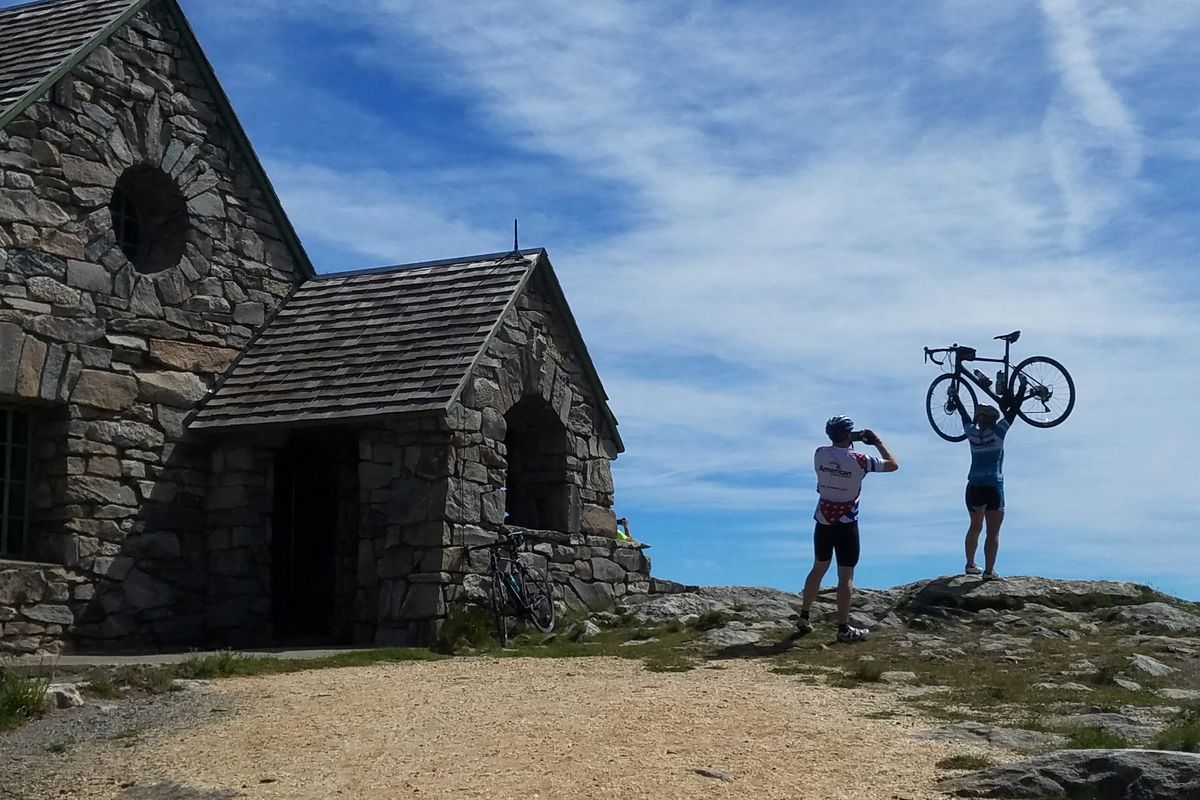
[(971, 763), (230, 664), (1091, 738), (710, 620), (20, 697), (867, 671), (1183, 733), (466, 629), (103, 687)]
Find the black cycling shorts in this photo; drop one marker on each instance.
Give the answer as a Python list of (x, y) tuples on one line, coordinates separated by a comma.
[(840, 537), (984, 498)]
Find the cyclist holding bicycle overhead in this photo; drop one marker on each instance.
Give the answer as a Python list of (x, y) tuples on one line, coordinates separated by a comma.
[(985, 480), (840, 472)]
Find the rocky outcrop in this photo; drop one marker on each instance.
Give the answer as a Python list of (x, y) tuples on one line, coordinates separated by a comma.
[(1103, 774)]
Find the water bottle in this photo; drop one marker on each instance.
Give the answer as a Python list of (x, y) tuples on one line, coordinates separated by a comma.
[(1000, 380), (984, 380)]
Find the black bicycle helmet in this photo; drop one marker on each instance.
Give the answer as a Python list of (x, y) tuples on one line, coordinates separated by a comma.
[(838, 428)]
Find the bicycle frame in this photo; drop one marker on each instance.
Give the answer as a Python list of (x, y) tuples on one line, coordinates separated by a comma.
[(961, 373), (501, 566), (512, 578)]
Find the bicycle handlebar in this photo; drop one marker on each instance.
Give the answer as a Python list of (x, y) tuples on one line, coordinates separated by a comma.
[(504, 540), (931, 353)]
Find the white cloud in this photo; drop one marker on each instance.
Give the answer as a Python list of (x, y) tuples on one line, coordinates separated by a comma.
[(802, 230)]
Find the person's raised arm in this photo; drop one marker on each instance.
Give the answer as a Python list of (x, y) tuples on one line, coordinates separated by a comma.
[(1010, 404), (887, 461), (962, 411)]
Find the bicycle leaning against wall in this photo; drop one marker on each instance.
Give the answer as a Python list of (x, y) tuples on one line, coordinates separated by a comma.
[(1047, 392), (517, 589)]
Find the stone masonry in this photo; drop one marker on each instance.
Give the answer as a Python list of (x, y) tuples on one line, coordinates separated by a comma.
[(110, 358), (141, 252)]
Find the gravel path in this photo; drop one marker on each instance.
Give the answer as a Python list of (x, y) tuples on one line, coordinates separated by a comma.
[(483, 727)]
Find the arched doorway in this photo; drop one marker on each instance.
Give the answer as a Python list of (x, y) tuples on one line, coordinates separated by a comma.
[(537, 493)]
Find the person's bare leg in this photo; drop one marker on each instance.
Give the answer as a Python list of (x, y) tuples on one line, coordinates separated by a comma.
[(991, 544), (812, 585), (973, 530), (845, 589)]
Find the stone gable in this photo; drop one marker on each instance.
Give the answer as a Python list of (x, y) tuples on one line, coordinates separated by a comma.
[(109, 355)]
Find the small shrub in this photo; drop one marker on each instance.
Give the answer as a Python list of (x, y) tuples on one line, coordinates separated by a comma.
[(1183, 734), (669, 661), (1091, 738), (224, 664), (637, 634), (20, 697), (1106, 675), (104, 688), (151, 680), (674, 626), (466, 627), (56, 747), (710, 620), (972, 763), (867, 671)]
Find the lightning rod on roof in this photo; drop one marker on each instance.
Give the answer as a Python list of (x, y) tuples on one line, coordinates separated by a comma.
[(516, 240)]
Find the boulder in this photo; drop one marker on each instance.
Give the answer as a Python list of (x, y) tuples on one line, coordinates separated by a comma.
[(63, 695), (994, 736), (969, 593), (1123, 726), (1159, 616), (1124, 774), (1149, 666)]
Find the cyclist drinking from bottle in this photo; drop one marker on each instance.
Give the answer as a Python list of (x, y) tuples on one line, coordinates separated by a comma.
[(840, 473)]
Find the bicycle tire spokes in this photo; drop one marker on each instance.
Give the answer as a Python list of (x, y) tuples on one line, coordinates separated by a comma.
[(943, 416), (1048, 394)]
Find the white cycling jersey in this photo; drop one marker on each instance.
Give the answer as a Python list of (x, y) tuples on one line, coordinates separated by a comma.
[(840, 473)]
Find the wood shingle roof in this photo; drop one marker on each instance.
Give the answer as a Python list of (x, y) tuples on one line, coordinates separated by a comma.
[(368, 344), (36, 39), (41, 42)]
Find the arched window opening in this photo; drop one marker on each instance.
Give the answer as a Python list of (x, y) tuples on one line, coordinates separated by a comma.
[(537, 493)]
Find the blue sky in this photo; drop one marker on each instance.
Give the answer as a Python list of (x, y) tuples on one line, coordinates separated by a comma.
[(762, 211)]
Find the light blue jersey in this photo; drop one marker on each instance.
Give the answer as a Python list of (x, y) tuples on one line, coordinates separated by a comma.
[(987, 453)]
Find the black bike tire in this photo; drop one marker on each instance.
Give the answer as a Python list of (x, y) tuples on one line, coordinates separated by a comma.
[(499, 604), (1070, 385), (941, 410), (538, 587)]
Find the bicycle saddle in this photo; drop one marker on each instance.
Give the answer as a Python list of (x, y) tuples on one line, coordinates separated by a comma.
[(1009, 337)]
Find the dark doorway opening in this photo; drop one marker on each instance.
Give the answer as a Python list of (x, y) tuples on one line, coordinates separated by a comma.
[(315, 496), (537, 494)]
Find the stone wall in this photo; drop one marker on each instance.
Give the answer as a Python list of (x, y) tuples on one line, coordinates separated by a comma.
[(532, 361), (118, 355), (588, 572), (238, 510)]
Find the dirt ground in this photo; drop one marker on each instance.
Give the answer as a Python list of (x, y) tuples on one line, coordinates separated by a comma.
[(513, 728)]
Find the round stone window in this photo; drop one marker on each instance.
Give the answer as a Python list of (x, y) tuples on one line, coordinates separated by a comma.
[(149, 216)]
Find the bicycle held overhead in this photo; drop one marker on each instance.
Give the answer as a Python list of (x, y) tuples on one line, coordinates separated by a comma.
[(1040, 387)]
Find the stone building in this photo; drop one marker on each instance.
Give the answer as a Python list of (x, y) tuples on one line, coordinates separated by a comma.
[(202, 440)]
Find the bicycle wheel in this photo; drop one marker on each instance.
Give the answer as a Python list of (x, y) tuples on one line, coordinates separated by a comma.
[(500, 606), (943, 417), (1049, 391), (539, 598)]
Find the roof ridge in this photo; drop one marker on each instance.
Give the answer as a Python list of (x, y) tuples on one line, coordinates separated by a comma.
[(444, 262)]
